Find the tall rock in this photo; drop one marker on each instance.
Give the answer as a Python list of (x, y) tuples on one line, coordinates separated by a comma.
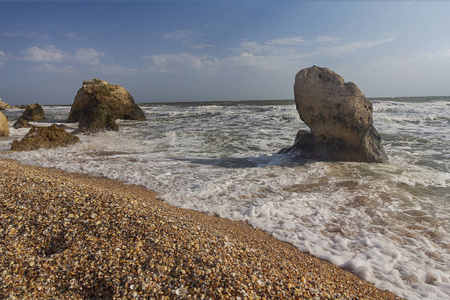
[(4, 128), (99, 93), (339, 116)]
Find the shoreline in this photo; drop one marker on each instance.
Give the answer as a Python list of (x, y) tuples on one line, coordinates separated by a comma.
[(71, 235)]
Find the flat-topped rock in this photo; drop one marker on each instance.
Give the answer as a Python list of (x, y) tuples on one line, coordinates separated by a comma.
[(99, 93)]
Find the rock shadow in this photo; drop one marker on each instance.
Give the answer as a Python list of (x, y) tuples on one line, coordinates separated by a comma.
[(291, 159)]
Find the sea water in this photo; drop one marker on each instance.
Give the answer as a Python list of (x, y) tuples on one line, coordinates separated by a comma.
[(388, 223)]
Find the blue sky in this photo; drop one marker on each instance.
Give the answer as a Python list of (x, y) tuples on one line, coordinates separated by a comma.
[(220, 50)]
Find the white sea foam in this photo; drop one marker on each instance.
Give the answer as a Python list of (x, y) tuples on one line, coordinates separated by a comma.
[(388, 223)]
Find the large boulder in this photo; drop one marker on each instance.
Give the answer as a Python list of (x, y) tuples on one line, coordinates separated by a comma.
[(4, 128), (4, 105), (96, 92), (33, 112), (339, 116), (44, 137)]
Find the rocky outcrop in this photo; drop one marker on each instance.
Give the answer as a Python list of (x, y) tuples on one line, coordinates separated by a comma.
[(339, 116), (4, 105), (44, 137), (4, 128), (98, 94), (34, 113)]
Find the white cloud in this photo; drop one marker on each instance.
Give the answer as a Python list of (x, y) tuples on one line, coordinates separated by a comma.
[(202, 46), (46, 54), (277, 56), (5, 57), (350, 47), (178, 34), (326, 39), (258, 62), (181, 62), (26, 34), (442, 54), (73, 36), (116, 70), (287, 53), (417, 61), (251, 47), (88, 56), (187, 37), (47, 67), (51, 54), (287, 41)]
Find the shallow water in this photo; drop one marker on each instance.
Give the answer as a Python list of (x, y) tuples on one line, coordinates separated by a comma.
[(388, 223)]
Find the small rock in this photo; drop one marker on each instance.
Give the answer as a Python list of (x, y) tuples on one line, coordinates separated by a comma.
[(181, 291), (44, 137), (33, 112)]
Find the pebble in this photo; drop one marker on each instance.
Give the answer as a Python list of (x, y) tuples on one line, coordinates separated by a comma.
[(71, 236)]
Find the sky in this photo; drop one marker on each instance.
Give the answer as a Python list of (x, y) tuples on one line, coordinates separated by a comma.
[(182, 50)]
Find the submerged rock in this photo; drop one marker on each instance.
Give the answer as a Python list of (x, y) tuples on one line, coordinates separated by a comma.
[(4, 128), (99, 99), (44, 137), (339, 116)]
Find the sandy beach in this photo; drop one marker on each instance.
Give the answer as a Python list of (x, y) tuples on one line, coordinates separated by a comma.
[(72, 236)]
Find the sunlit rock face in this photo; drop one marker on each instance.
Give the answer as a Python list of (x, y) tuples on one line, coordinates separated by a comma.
[(99, 93), (4, 128), (53, 136), (339, 116)]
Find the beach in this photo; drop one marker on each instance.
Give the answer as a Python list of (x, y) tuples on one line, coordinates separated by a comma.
[(68, 235), (386, 223)]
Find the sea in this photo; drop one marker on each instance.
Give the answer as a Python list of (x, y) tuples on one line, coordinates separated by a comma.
[(388, 223)]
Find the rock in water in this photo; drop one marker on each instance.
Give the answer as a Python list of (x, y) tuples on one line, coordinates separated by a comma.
[(44, 137), (97, 118), (96, 92), (33, 112), (4, 128), (339, 116)]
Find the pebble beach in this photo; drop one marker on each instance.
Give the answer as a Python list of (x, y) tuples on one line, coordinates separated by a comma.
[(72, 236)]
